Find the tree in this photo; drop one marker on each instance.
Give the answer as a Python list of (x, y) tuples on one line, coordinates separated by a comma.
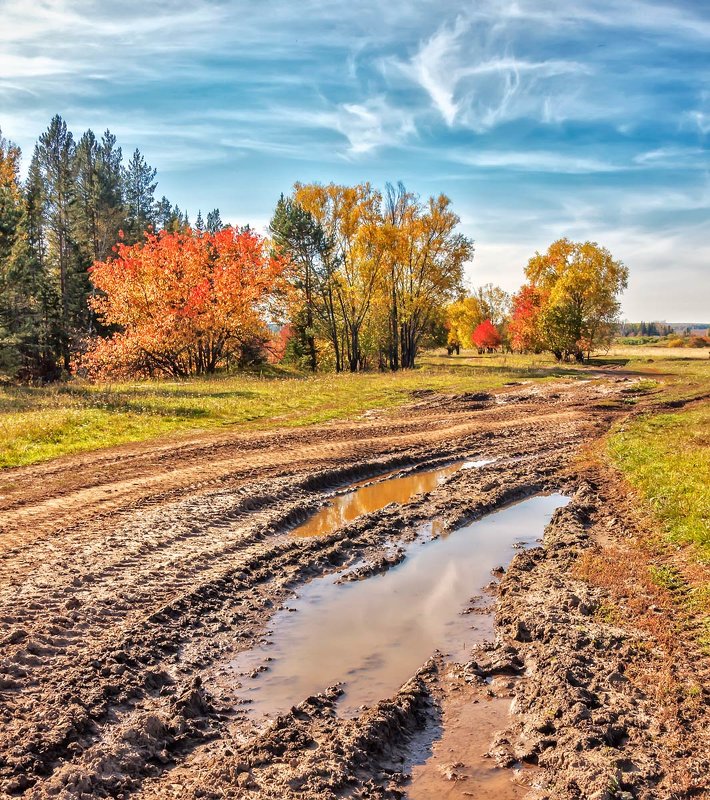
[(99, 211), (214, 221), (349, 218), (524, 328), (495, 304), (296, 233), (163, 214), (424, 259), (486, 337), (139, 186), (462, 317), (55, 157), (11, 212), (581, 282), (184, 303)]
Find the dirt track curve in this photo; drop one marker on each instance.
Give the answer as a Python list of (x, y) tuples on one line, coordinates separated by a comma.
[(129, 578)]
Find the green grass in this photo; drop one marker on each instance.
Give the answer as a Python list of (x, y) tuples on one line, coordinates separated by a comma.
[(667, 458), (41, 423)]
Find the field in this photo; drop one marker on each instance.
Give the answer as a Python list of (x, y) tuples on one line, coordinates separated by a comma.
[(39, 423), (148, 588)]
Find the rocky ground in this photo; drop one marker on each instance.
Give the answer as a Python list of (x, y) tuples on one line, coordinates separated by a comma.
[(131, 577)]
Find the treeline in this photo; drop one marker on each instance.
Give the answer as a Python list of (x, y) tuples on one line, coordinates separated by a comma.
[(372, 273), (99, 278), (66, 215), (646, 329)]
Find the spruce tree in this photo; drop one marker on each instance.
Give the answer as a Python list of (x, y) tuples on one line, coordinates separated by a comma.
[(56, 156), (139, 187), (214, 221)]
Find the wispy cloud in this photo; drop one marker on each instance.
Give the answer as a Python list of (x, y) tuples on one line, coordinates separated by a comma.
[(472, 79), (536, 161), (369, 125), (539, 117)]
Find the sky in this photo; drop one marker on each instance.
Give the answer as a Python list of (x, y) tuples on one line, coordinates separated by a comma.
[(584, 118)]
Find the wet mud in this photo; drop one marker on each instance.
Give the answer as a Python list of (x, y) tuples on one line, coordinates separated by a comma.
[(132, 581)]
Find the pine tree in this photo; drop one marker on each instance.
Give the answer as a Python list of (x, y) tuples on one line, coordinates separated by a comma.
[(139, 186), (112, 207), (39, 330), (214, 221), (56, 157), (199, 222), (163, 213)]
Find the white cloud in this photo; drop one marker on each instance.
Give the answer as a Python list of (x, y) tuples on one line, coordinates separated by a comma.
[(472, 79), (536, 161), (366, 126)]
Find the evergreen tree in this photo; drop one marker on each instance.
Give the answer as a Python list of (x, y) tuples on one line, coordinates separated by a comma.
[(139, 186), (29, 307), (39, 329), (163, 213), (199, 222), (296, 232), (56, 158), (214, 221), (112, 208)]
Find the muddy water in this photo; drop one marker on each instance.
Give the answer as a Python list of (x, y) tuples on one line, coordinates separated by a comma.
[(455, 767), (366, 497), (372, 635)]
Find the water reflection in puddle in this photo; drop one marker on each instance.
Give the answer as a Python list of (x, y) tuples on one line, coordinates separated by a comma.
[(482, 462), (374, 634), (368, 497)]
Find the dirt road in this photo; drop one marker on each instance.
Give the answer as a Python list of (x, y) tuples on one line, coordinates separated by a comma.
[(131, 578)]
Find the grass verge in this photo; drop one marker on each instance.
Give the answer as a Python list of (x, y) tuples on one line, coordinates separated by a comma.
[(666, 458), (40, 423)]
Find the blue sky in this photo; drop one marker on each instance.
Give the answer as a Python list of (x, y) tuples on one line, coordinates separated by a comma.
[(588, 119)]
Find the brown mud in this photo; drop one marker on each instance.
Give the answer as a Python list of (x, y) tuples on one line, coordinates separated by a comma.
[(132, 578)]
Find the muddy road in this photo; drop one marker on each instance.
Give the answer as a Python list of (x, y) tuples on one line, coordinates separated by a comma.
[(143, 590)]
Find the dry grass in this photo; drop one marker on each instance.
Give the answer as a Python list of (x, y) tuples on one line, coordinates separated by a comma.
[(37, 424)]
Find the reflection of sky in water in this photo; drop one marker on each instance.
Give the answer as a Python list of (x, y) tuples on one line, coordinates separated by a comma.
[(374, 634), (482, 462), (366, 499)]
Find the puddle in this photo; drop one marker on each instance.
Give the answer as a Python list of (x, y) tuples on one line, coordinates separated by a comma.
[(367, 497), (454, 764), (372, 635), (482, 462)]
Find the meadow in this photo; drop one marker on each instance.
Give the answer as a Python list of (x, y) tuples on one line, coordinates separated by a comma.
[(40, 423)]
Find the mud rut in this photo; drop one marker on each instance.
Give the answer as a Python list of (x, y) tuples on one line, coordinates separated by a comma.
[(129, 579)]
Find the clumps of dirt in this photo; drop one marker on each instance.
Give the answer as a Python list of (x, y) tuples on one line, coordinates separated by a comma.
[(580, 716), (375, 566), (143, 744), (312, 754)]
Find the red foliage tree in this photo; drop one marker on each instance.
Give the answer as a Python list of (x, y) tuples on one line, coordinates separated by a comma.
[(486, 336), (184, 303), (524, 326)]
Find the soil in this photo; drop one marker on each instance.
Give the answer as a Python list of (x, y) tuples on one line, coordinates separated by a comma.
[(131, 578)]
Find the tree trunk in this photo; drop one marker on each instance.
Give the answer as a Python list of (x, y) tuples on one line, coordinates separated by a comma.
[(310, 339), (394, 321)]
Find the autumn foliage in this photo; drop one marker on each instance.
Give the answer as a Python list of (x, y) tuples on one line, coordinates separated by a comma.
[(524, 326), (570, 303), (183, 303), (486, 336)]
